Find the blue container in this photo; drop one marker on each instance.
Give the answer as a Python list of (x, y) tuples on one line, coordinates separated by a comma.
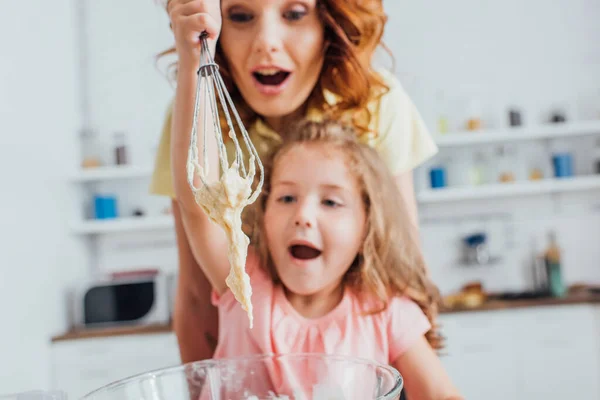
[(437, 177), (563, 165), (105, 207)]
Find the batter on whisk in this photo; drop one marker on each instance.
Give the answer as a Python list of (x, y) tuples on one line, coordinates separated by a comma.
[(224, 200)]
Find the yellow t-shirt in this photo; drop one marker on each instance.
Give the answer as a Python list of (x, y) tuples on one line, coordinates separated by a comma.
[(402, 137)]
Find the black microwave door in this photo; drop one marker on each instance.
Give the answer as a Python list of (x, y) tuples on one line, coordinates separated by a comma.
[(124, 302)]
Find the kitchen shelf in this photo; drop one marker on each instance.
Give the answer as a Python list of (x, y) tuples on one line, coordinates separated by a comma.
[(115, 172), (128, 224), (546, 186), (549, 131)]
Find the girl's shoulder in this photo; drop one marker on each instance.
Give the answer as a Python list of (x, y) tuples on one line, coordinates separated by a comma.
[(399, 324), (397, 306), (406, 323)]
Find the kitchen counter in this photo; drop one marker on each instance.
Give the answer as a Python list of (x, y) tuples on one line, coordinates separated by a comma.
[(113, 331), (496, 304), (582, 297)]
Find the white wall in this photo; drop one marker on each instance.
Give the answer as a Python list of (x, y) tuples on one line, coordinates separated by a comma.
[(38, 120), (534, 54)]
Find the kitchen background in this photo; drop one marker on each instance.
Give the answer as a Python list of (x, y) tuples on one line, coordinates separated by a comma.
[(79, 79)]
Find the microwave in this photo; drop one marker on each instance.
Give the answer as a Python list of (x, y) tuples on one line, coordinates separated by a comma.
[(141, 300)]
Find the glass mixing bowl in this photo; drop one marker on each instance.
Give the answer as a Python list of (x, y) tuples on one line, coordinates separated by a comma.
[(262, 377)]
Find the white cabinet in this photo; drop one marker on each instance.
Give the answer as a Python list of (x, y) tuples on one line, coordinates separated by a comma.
[(82, 365), (547, 353), (478, 349), (559, 355)]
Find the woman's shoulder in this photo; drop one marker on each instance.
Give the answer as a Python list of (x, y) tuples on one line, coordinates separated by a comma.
[(388, 78), (402, 137), (162, 181)]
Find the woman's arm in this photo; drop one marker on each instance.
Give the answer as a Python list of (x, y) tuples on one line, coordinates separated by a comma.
[(195, 319), (207, 240), (424, 375), (407, 191), (406, 188)]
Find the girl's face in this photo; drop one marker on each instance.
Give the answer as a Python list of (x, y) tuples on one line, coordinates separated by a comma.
[(315, 220), (275, 52)]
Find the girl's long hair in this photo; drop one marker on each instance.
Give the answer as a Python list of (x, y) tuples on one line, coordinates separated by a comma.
[(390, 263)]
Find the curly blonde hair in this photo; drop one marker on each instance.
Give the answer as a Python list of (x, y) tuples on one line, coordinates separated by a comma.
[(390, 263), (353, 30)]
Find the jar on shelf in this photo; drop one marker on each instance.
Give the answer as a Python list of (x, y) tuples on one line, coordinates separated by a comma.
[(478, 173), (90, 149), (474, 114), (536, 164), (506, 163)]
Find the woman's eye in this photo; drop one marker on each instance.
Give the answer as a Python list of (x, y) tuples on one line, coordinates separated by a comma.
[(239, 16), (294, 15), (286, 199)]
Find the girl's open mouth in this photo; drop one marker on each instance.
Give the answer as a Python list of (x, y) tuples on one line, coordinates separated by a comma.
[(303, 252)]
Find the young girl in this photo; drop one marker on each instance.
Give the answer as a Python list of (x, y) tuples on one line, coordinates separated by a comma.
[(332, 266)]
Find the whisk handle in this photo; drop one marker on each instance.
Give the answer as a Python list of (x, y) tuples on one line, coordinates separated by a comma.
[(207, 65)]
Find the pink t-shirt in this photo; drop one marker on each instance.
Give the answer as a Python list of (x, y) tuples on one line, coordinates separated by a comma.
[(280, 329)]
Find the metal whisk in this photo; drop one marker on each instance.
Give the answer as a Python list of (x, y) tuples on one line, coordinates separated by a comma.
[(209, 82)]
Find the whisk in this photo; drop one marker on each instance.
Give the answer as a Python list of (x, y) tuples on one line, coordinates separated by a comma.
[(224, 200), (209, 81)]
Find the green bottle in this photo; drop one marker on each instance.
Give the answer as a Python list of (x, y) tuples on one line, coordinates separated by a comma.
[(553, 268)]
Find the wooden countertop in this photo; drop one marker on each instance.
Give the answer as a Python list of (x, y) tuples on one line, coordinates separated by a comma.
[(113, 331), (494, 304), (583, 297)]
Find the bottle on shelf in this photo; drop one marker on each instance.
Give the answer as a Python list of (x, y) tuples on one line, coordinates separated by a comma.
[(514, 117), (552, 259), (442, 112), (596, 157), (120, 148)]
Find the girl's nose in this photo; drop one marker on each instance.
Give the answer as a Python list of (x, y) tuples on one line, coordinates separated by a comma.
[(305, 216), (304, 223)]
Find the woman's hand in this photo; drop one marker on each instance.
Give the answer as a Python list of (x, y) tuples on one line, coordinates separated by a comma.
[(189, 19)]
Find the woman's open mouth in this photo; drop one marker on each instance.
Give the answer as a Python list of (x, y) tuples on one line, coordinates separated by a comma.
[(270, 80)]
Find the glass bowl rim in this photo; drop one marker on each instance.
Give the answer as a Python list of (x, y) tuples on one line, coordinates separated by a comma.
[(212, 362)]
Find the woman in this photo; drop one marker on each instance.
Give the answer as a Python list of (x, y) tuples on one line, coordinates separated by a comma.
[(282, 60)]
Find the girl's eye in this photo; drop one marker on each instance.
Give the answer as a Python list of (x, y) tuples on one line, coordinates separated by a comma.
[(331, 203), (294, 15), (240, 16), (286, 199)]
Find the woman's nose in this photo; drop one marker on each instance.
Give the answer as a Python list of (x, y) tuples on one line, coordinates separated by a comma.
[(269, 37)]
